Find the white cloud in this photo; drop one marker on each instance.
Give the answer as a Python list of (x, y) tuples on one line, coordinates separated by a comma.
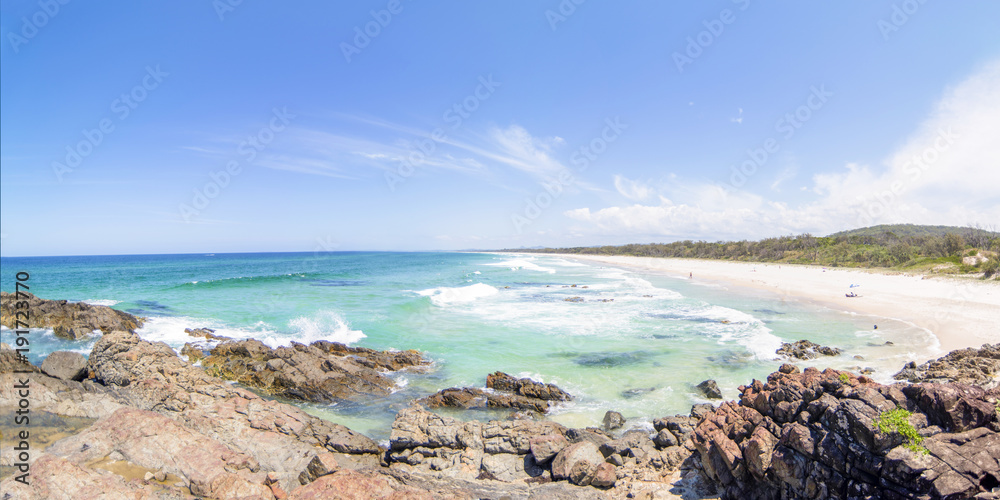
[(633, 190), (946, 172)]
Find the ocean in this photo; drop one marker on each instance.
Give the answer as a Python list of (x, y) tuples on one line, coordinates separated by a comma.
[(616, 339)]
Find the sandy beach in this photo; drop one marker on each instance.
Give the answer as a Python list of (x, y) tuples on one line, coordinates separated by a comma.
[(959, 312)]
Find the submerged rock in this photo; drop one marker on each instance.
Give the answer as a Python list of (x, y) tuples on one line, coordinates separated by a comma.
[(205, 333), (804, 349), (972, 366), (69, 320), (320, 372), (710, 389), (613, 420)]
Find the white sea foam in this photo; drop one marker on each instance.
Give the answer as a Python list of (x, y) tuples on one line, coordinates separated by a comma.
[(101, 302), (444, 296), (324, 325), (517, 264)]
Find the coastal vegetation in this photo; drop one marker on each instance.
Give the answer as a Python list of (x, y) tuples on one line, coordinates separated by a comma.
[(898, 420), (904, 247)]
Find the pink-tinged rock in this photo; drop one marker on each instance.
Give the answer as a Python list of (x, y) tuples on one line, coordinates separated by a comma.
[(562, 465), (348, 484), (604, 476), (55, 478), (322, 464), (544, 448)]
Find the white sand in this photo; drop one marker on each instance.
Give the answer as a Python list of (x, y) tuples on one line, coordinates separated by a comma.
[(959, 312)]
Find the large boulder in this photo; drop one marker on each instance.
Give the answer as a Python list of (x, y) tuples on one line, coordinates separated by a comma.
[(320, 372), (577, 462), (72, 320), (65, 365)]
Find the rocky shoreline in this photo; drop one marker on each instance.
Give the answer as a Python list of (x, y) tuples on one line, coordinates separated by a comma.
[(143, 422)]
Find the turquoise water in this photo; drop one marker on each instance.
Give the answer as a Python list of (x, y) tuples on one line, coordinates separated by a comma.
[(627, 341)]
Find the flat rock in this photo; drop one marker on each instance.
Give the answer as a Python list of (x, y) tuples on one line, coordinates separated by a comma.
[(72, 320), (970, 366)]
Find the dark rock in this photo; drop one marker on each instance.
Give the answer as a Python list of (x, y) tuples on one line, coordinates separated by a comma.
[(710, 389), (526, 387), (69, 320), (320, 372), (970, 366), (634, 393), (472, 398), (810, 435), (665, 439), (508, 392), (804, 349), (613, 420)]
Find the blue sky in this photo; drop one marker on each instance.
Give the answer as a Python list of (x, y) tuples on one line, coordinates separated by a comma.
[(140, 127)]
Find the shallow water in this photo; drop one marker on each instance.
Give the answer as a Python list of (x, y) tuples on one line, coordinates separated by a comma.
[(624, 341)]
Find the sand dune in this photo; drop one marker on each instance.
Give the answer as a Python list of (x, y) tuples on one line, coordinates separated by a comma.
[(959, 312)]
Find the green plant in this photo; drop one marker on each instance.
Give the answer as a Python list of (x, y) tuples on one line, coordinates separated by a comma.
[(844, 378), (989, 268), (898, 420)]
